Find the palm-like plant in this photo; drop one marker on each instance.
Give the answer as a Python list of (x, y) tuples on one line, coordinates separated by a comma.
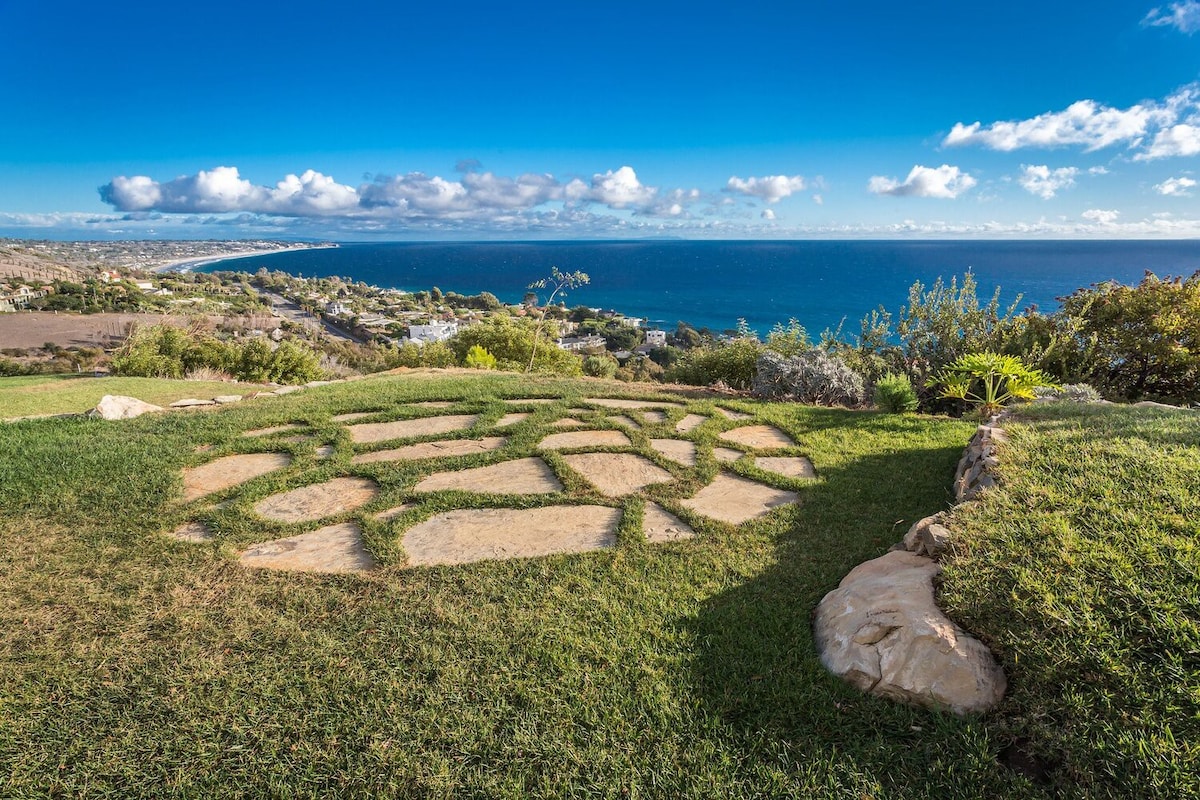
[(990, 380)]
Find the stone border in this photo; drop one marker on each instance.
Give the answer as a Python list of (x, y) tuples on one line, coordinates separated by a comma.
[(881, 629)]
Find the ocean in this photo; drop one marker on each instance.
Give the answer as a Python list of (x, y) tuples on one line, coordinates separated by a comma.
[(713, 284)]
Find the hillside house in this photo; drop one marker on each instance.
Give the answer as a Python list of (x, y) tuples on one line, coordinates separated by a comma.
[(433, 332)]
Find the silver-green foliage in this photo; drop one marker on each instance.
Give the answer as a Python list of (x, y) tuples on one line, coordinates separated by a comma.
[(814, 377)]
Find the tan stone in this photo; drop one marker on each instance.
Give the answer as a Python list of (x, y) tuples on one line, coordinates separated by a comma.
[(625, 422), (617, 402), (367, 432), (443, 449), (617, 474), (192, 402), (763, 437), (566, 422), (229, 471), (660, 525), (459, 537), (353, 415), (734, 499), (512, 419), (733, 415), (564, 441), (433, 404), (226, 399), (318, 500), (195, 532), (520, 476), (678, 451), (790, 466), (271, 430), (531, 400), (335, 548), (652, 417), (881, 631), (391, 513), (325, 451), (689, 422), (727, 454), (115, 407)]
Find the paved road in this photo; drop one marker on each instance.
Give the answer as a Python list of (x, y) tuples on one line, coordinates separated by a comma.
[(288, 310)]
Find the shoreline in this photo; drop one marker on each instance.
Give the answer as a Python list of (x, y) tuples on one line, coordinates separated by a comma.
[(189, 264)]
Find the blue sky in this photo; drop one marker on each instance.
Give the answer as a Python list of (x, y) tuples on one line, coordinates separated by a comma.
[(360, 121)]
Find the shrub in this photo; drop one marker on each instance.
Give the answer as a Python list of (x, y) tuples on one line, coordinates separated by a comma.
[(1070, 392), (155, 351), (732, 362), (600, 366), (479, 358), (815, 377), (790, 341), (990, 380), (512, 343), (895, 394)]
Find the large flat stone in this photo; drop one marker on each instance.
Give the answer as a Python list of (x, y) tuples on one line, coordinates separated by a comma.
[(459, 537), (564, 441), (520, 476), (618, 402), (733, 415), (353, 415), (229, 471), (335, 548), (791, 466), (272, 430), (734, 499), (116, 406), (660, 525), (405, 428), (319, 500), (444, 449), (726, 454), (617, 474), (652, 417), (764, 437), (678, 451), (689, 422), (625, 422), (512, 419)]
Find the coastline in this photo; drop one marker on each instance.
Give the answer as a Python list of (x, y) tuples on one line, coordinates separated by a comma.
[(189, 264)]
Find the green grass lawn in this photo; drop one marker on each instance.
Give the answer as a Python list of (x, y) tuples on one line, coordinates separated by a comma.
[(72, 394), (132, 665)]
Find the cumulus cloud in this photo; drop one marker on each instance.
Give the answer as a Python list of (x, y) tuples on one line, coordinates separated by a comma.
[(771, 188), (944, 182), (1185, 16), (1045, 182), (1101, 216), (1094, 126), (768, 214), (1097, 170), (1175, 187)]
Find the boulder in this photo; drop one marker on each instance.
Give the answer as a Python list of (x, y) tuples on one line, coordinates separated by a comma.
[(226, 399), (881, 631), (116, 406), (927, 537)]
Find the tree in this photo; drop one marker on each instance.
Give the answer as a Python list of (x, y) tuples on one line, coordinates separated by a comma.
[(558, 282)]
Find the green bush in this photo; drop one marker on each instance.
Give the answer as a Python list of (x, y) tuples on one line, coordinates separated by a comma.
[(600, 366), (511, 342), (790, 341), (162, 351), (731, 362), (990, 381), (895, 394), (479, 358)]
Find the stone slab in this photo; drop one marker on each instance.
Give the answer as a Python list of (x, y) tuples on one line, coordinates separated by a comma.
[(791, 466), (226, 399), (512, 419), (689, 422), (391, 513), (433, 404), (368, 432), (566, 422), (680, 452), (619, 402), (660, 525), (626, 422), (736, 416), (734, 499), (272, 430), (325, 451), (563, 441), (763, 437), (617, 474), (727, 454), (192, 402), (652, 417), (335, 548), (353, 415), (466, 535), (318, 500), (443, 449), (520, 476), (222, 473), (533, 400), (195, 532)]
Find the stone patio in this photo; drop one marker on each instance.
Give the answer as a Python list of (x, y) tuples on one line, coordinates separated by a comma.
[(336, 548), (734, 499), (617, 474), (223, 473), (318, 500), (572, 439), (369, 432), (520, 476), (762, 437), (444, 449)]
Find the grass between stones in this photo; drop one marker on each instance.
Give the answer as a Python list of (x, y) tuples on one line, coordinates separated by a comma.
[(135, 665)]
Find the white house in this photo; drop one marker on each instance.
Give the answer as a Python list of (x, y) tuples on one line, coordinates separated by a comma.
[(578, 343), (656, 338), (337, 309), (434, 332)]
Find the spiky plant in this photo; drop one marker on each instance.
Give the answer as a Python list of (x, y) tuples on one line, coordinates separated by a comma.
[(990, 380)]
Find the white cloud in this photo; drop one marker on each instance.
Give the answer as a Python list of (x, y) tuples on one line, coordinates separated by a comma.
[(945, 182), (616, 189), (1097, 170), (1185, 16), (1101, 216), (1094, 126), (1045, 182), (1176, 187), (1178, 140), (768, 214), (771, 188), (818, 199)]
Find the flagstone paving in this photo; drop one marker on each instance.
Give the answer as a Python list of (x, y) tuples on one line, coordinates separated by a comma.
[(689, 422), (727, 454), (625, 421), (791, 466), (660, 525), (617, 402), (223, 473), (763, 437), (459, 537), (680, 452), (335, 548), (566, 422), (392, 513), (274, 429), (433, 404), (353, 415), (451, 447), (733, 415), (368, 432), (519, 476), (317, 500), (565, 441), (617, 474), (654, 416), (734, 499), (512, 419)]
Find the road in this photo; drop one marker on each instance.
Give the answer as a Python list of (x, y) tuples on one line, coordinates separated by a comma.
[(286, 309)]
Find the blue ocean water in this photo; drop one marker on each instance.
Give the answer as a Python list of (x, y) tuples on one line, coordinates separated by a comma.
[(712, 284)]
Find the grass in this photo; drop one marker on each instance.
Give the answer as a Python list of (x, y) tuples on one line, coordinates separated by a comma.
[(73, 394), (135, 666)]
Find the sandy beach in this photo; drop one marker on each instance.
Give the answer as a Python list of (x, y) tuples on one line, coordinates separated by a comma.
[(188, 264)]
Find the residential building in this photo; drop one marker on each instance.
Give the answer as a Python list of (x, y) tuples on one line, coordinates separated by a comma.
[(433, 332)]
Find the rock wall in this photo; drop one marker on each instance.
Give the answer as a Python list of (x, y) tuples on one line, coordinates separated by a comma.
[(881, 630)]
